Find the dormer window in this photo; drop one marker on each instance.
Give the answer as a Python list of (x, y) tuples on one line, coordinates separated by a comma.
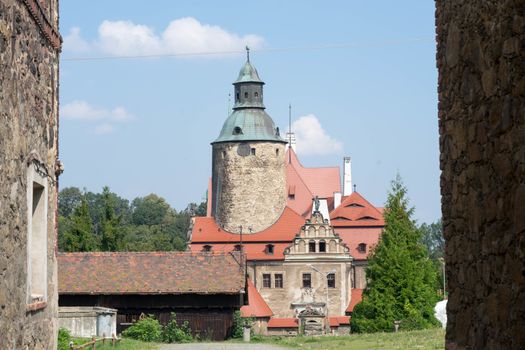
[(367, 218), (269, 249), (237, 248), (361, 248), (206, 248), (237, 130), (354, 205)]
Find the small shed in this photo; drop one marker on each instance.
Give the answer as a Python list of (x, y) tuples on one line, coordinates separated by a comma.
[(87, 321), (203, 289)]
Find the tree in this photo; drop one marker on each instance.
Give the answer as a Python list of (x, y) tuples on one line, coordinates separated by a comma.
[(401, 278), (68, 199), (78, 236), (149, 210), (432, 238), (111, 233)]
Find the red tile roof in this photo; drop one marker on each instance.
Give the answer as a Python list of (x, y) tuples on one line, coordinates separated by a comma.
[(355, 298), (206, 230), (353, 236), (308, 183), (356, 211), (149, 273), (283, 323), (253, 251), (256, 307)]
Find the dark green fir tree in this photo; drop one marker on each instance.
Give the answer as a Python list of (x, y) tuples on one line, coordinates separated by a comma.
[(401, 277)]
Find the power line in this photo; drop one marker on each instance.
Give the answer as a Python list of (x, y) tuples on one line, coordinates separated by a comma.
[(262, 50)]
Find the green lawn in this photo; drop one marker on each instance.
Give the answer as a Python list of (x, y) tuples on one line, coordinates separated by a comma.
[(124, 344), (421, 340)]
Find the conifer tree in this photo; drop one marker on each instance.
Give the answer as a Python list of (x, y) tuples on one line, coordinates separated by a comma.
[(401, 278), (111, 235), (79, 236)]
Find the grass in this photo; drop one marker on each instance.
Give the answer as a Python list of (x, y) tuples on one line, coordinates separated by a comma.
[(421, 340), (124, 344)]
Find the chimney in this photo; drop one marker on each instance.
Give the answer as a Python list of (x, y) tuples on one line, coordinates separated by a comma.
[(337, 199), (290, 138), (347, 177)]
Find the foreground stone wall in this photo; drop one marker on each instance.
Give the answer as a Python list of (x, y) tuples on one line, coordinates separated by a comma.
[(248, 190), (29, 50), (481, 61)]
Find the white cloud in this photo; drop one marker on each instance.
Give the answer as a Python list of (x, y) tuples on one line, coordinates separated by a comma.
[(312, 139), (184, 35), (83, 111), (74, 42)]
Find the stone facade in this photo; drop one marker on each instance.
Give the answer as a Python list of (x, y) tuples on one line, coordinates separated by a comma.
[(481, 61), (240, 170), (293, 297), (29, 53)]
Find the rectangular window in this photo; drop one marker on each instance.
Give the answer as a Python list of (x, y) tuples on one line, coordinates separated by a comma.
[(278, 280), (307, 280), (36, 237), (311, 247), (330, 279), (253, 151), (267, 280)]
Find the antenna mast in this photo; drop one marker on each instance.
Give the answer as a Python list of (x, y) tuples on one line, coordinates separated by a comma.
[(289, 133)]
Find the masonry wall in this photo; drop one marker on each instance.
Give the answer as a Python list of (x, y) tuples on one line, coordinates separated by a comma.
[(481, 62), (29, 51), (248, 190)]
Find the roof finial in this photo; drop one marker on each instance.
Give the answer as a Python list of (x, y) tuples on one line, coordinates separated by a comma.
[(247, 53)]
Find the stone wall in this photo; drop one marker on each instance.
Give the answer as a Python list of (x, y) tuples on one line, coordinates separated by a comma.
[(248, 190), (29, 51), (481, 61)]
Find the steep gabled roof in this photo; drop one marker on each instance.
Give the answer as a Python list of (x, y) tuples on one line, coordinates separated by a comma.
[(353, 236), (256, 307), (321, 181), (149, 273), (355, 298), (206, 230), (253, 250), (356, 211)]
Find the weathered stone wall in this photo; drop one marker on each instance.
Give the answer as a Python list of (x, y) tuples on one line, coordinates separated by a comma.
[(248, 190), (481, 61), (29, 51)]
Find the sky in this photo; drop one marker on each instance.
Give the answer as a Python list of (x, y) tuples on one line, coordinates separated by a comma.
[(144, 89)]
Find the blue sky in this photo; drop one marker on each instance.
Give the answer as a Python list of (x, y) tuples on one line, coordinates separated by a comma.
[(363, 70)]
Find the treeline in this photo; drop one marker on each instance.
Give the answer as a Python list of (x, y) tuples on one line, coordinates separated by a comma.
[(104, 221)]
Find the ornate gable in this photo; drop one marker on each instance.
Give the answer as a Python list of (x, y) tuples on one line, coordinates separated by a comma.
[(317, 241)]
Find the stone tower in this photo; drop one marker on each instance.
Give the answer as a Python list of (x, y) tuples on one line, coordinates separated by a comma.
[(248, 170)]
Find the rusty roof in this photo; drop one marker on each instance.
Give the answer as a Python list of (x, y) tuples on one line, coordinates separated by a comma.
[(149, 273)]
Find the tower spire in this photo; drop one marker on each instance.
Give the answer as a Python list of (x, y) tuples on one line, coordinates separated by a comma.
[(247, 53), (290, 133)]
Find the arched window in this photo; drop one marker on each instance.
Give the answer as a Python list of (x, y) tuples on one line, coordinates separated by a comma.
[(256, 94), (311, 247), (322, 246), (245, 95), (206, 248)]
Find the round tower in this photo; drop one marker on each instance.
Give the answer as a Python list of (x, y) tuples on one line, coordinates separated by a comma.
[(248, 169)]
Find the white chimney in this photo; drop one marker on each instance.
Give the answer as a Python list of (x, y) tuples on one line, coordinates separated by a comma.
[(337, 199), (347, 177), (290, 138)]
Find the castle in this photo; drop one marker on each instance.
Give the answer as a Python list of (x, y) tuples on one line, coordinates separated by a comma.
[(306, 242)]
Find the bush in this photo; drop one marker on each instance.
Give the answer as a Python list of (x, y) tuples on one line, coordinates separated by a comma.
[(64, 337), (173, 333), (238, 324), (147, 329)]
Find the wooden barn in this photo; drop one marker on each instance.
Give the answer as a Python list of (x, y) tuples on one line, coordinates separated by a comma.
[(202, 288)]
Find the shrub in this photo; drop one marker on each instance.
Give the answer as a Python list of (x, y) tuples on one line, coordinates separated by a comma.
[(64, 337), (147, 329), (238, 324), (173, 333)]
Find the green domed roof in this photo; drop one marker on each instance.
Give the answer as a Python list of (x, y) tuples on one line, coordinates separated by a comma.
[(249, 121), (249, 125)]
